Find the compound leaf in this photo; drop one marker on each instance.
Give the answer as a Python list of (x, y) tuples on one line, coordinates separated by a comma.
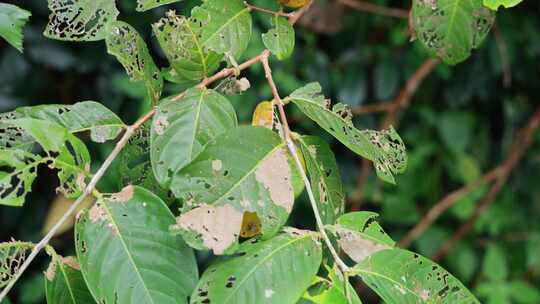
[(236, 173), (102, 123), (179, 38), (127, 253), (12, 21), (181, 128), (274, 271), (325, 178), (226, 26), (64, 283), (131, 51), (12, 256), (451, 29), (384, 148), (495, 4), (280, 40), (400, 276), (144, 5), (80, 20)]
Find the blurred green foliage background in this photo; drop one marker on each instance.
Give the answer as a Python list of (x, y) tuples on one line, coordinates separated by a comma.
[(459, 125)]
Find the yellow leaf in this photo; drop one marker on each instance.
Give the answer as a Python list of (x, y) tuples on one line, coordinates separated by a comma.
[(58, 207), (264, 115), (294, 3), (251, 225)]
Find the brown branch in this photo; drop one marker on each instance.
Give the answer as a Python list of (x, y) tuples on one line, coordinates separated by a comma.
[(367, 7), (267, 11), (372, 108), (520, 145), (392, 110)]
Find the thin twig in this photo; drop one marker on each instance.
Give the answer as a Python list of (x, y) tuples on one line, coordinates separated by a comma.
[(392, 110), (520, 145), (364, 6), (381, 107), (292, 150), (267, 11), (130, 131)]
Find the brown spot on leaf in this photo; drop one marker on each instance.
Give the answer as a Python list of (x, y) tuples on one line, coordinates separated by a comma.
[(51, 270), (275, 174), (357, 247), (123, 196), (97, 213), (217, 165), (71, 262)]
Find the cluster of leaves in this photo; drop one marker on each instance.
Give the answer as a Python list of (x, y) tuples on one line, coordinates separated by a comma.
[(236, 189)]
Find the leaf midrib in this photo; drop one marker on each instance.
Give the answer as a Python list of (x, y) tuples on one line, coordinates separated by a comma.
[(234, 17)]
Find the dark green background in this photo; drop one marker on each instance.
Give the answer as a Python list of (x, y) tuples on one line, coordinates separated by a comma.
[(460, 124)]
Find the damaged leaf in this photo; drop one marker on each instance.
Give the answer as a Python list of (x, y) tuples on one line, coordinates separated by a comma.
[(120, 240), (181, 129), (18, 171), (360, 236), (495, 4), (12, 21), (264, 115), (253, 175), (274, 271), (332, 289), (11, 136), (144, 5), (80, 20), (92, 116), (124, 43), (64, 282), (179, 38), (401, 276), (451, 29), (226, 26), (384, 148), (12, 256), (324, 176), (280, 39)]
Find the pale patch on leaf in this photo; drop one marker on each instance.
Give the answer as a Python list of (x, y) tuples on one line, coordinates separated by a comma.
[(357, 247), (97, 213), (217, 227), (217, 165), (275, 174), (264, 115), (123, 196)]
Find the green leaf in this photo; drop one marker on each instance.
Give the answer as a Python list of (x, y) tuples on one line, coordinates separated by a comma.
[(144, 5), (226, 26), (129, 48), (495, 267), (133, 165), (280, 40), (495, 4), (524, 292), (181, 129), (333, 290), (11, 136), (274, 271), (127, 253), (360, 236), (325, 177), (64, 152), (81, 20), (384, 148), (64, 283), (400, 276), (245, 169), (12, 21), (91, 116), (179, 38), (451, 29), (12, 255)]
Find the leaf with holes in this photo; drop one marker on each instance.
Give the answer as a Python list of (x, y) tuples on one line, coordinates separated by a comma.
[(12, 21), (400, 276), (131, 51), (332, 289), (495, 4), (280, 40), (144, 5), (179, 38), (91, 116), (133, 165), (127, 253), (64, 152), (80, 20), (64, 283), (13, 137), (360, 236), (181, 129), (235, 173), (226, 26), (278, 271), (384, 148), (324, 176), (451, 29), (12, 256)]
